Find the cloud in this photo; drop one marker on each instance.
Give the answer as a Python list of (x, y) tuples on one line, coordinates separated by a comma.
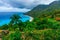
[(6, 6), (3, 3), (25, 3), (12, 9), (20, 5), (30, 3)]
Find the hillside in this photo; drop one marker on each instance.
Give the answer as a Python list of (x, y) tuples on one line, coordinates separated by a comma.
[(45, 9), (35, 11)]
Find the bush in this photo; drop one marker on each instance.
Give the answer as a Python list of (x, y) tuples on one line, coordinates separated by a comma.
[(47, 34), (15, 35), (47, 23)]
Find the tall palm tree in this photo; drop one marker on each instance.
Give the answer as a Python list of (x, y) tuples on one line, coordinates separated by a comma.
[(15, 19)]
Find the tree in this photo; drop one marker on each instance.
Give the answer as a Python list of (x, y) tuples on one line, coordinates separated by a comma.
[(15, 19), (4, 27), (29, 26)]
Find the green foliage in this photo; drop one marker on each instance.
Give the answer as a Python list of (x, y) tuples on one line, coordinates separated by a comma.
[(47, 23), (4, 27), (47, 34), (15, 19), (39, 29), (15, 35), (29, 26)]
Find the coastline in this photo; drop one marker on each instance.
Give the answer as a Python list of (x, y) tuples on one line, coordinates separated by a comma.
[(31, 19)]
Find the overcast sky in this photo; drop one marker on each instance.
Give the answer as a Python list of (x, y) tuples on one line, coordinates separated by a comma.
[(20, 5)]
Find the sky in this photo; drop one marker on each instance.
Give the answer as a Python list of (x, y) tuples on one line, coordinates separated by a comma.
[(20, 5)]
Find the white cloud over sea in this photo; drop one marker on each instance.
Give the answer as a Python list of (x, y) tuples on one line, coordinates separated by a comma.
[(12, 9)]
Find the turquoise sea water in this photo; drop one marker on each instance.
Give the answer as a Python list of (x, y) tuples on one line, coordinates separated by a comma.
[(5, 17)]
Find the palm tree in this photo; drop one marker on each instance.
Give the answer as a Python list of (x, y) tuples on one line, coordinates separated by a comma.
[(15, 19)]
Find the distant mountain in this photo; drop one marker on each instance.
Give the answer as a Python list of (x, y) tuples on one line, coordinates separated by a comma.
[(45, 9), (35, 11)]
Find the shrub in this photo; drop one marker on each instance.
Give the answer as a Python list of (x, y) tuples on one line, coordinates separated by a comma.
[(47, 23), (15, 35), (47, 34)]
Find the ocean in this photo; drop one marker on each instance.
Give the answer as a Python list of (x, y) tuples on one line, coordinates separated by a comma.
[(5, 17)]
